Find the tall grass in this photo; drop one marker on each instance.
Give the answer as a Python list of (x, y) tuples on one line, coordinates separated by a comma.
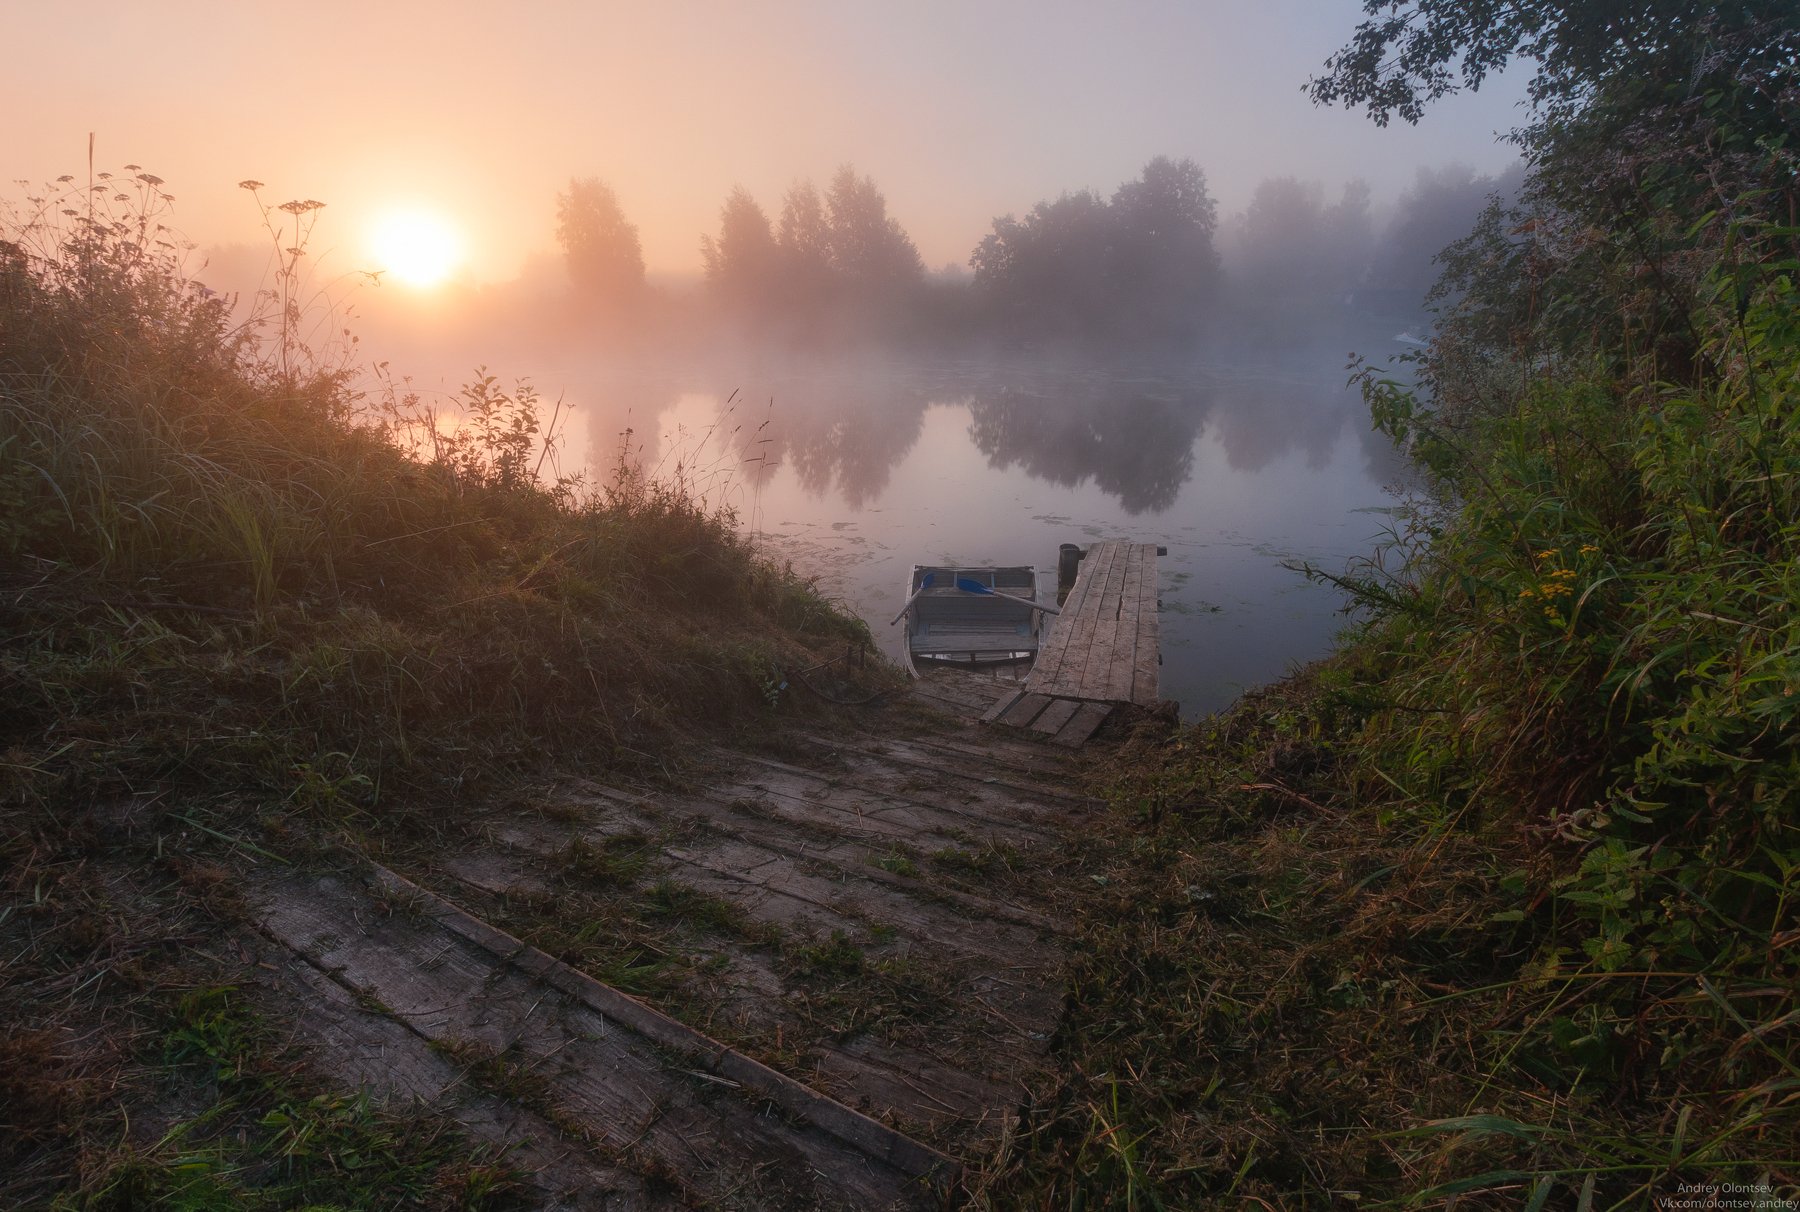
[(249, 613), (301, 568), (1498, 907)]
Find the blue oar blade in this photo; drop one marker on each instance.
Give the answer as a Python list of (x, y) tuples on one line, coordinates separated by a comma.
[(968, 586)]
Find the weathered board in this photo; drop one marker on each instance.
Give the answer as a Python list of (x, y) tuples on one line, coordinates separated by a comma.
[(1103, 647), (863, 947), (1066, 722)]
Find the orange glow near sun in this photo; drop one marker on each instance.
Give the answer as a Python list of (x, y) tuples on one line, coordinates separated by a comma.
[(418, 248)]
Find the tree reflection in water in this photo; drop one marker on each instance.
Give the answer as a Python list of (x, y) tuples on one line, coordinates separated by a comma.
[(844, 429), (1136, 444)]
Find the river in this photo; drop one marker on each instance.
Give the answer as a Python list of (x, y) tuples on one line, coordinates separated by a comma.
[(855, 470)]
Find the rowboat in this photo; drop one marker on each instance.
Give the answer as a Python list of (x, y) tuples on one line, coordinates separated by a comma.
[(972, 616)]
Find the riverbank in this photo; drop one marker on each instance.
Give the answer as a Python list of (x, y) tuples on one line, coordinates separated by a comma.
[(1497, 904), (252, 615)]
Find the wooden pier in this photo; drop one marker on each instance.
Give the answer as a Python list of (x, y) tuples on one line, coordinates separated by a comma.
[(1103, 650)]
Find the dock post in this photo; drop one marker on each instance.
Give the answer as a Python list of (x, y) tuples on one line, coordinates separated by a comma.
[(1068, 562)]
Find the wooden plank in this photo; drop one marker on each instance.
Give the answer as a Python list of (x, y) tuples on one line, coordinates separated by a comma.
[(874, 1139), (1056, 646), (1093, 683), (1001, 706), (623, 1071), (1024, 711), (1054, 716), (1096, 569), (1143, 606), (1122, 653), (1104, 647), (1146, 676), (1075, 733)]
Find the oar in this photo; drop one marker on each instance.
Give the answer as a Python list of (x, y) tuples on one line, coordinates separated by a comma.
[(968, 586), (923, 586)]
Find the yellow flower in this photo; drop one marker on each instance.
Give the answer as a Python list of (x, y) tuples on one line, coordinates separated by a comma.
[(1546, 555), (1589, 549)]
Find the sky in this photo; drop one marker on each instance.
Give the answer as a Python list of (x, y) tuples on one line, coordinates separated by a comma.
[(479, 114)]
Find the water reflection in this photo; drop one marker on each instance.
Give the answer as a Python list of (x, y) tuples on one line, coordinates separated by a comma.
[(842, 435), (843, 432), (1136, 444), (855, 469)]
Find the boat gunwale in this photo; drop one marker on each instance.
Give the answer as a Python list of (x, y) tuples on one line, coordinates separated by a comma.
[(972, 658)]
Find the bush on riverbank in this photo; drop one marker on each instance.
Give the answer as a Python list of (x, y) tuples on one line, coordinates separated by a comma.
[(1497, 907), (1500, 902)]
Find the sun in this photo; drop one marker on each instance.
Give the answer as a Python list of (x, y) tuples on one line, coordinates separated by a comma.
[(417, 247)]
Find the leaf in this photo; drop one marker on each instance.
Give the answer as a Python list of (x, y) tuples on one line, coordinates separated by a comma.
[(1475, 1182), (1473, 1123)]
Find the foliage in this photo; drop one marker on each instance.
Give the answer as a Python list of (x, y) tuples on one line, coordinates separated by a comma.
[(249, 610), (493, 448), (405, 581), (836, 259), (1412, 52), (740, 263), (1623, 567), (605, 259), (1141, 267), (1655, 154), (869, 248), (1498, 907), (1290, 245)]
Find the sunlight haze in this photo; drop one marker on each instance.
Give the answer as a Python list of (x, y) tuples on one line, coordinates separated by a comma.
[(959, 112)]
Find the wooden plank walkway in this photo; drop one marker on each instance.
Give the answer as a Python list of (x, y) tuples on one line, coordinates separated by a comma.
[(818, 980), (1103, 649)]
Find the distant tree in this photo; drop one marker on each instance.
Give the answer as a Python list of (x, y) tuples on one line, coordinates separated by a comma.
[(1140, 268), (1052, 271), (1164, 254), (741, 265), (1351, 228), (605, 260), (1289, 246), (1276, 242), (804, 245), (1438, 209), (868, 247)]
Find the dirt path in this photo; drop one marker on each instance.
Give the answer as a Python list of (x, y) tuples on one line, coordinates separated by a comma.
[(812, 978)]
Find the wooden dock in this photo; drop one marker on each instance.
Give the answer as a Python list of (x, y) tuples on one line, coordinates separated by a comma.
[(1103, 650)]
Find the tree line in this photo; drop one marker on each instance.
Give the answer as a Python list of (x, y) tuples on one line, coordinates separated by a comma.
[(1150, 265)]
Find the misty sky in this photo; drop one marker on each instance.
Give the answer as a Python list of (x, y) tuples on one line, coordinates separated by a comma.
[(959, 111)]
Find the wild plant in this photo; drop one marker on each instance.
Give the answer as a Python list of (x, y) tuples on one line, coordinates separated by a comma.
[(1594, 649)]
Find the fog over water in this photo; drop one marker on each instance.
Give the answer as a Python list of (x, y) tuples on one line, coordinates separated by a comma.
[(939, 283), (1241, 464)]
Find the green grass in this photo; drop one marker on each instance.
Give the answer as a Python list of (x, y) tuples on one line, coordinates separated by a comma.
[(264, 1136)]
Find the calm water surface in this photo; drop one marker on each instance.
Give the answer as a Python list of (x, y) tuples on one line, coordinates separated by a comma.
[(855, 473)]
